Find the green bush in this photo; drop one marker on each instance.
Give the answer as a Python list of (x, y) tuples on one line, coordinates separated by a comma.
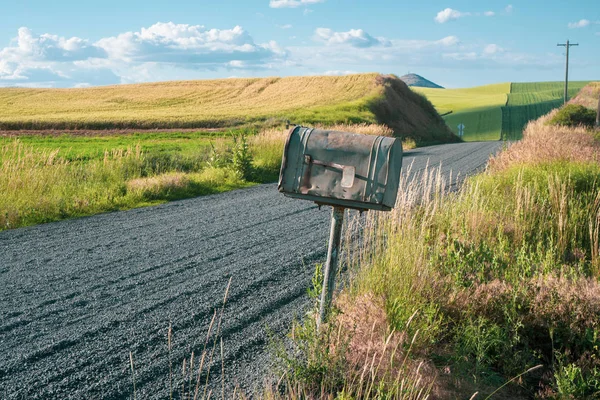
[(574, 115)]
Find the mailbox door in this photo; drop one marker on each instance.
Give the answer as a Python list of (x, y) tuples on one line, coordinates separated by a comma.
[(339, 168)]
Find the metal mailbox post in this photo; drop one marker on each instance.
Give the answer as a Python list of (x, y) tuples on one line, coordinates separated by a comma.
[(343, 170)]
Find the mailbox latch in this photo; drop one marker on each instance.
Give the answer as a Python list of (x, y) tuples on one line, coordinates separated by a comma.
[(348, 171)]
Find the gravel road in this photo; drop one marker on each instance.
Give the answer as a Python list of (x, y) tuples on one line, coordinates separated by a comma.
[(77, 296)]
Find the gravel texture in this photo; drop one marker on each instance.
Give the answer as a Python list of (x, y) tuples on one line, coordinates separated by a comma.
[(77, 296)]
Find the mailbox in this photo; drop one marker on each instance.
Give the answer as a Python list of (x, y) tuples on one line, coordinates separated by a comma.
[(341, 169)]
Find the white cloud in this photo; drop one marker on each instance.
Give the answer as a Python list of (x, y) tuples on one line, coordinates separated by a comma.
[(509, 9), (448, 41), (184, 44), (292, 3), (131, 56), (449, 14), (461, 56), (341, 53), (492, 49), (286, 26), (338, 73), (354, 38), (48, 47), (579, 24)]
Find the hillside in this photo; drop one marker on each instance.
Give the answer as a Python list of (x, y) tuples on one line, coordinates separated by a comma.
[(227, 103), (478, 108), (529, 101), (419, 81), (497, 111)]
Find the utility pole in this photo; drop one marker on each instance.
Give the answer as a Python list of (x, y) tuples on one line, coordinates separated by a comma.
[(567, 45)]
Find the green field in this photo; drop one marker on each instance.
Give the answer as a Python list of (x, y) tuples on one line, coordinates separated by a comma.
[(478, 108), (498, 111), (529, 101), (85, 148)]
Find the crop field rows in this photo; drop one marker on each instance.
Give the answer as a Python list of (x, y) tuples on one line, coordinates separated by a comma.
[(499, 111), (529, 101)]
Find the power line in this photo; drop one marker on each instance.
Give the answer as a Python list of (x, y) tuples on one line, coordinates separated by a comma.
[(567, 45)]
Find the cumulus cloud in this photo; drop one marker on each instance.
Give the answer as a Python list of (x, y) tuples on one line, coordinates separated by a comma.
[(49, 60), (353, 37), (292, 3), (449, 14), (188, 44), (76, 61), (48, 47), (448, 41), (492, 49), (582, 23)]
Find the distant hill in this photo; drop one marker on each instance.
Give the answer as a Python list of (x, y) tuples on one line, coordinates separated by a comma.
[(419, 81)]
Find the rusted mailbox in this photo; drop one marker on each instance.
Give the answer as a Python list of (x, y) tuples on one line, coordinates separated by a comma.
[(344, 170), (341, 169)]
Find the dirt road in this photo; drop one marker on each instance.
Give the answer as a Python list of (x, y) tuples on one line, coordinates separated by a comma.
[(77, 296)]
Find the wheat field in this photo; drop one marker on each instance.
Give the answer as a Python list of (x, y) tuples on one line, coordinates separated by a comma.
[(193, 104)]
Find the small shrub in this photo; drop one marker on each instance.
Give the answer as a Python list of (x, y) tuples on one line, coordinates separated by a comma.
[(241, 158), (574, 115)]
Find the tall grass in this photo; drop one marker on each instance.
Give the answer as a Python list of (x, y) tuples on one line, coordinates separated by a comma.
[(38, 186), (49, 179), (492, 280)]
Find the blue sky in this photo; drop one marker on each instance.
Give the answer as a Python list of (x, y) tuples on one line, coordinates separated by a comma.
[(453, 43)]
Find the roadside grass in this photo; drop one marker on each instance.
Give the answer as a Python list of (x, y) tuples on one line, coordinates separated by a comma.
[(588, 96), (50, 178), (497, 284), (39, 186)]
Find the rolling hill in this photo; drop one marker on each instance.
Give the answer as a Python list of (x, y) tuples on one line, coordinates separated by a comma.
[(497, 111), (529, 101), (227, 103), (478, 108)]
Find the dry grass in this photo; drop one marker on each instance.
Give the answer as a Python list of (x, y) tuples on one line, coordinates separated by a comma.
[(543, 143), (365, 129), (496, 278), (588, 96), (157, 185), (326, 100), (202, 103)]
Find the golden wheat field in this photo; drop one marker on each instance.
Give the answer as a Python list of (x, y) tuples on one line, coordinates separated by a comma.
[(201, 103)]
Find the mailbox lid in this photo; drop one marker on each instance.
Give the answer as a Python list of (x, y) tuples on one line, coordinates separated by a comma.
[(341, 168)]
